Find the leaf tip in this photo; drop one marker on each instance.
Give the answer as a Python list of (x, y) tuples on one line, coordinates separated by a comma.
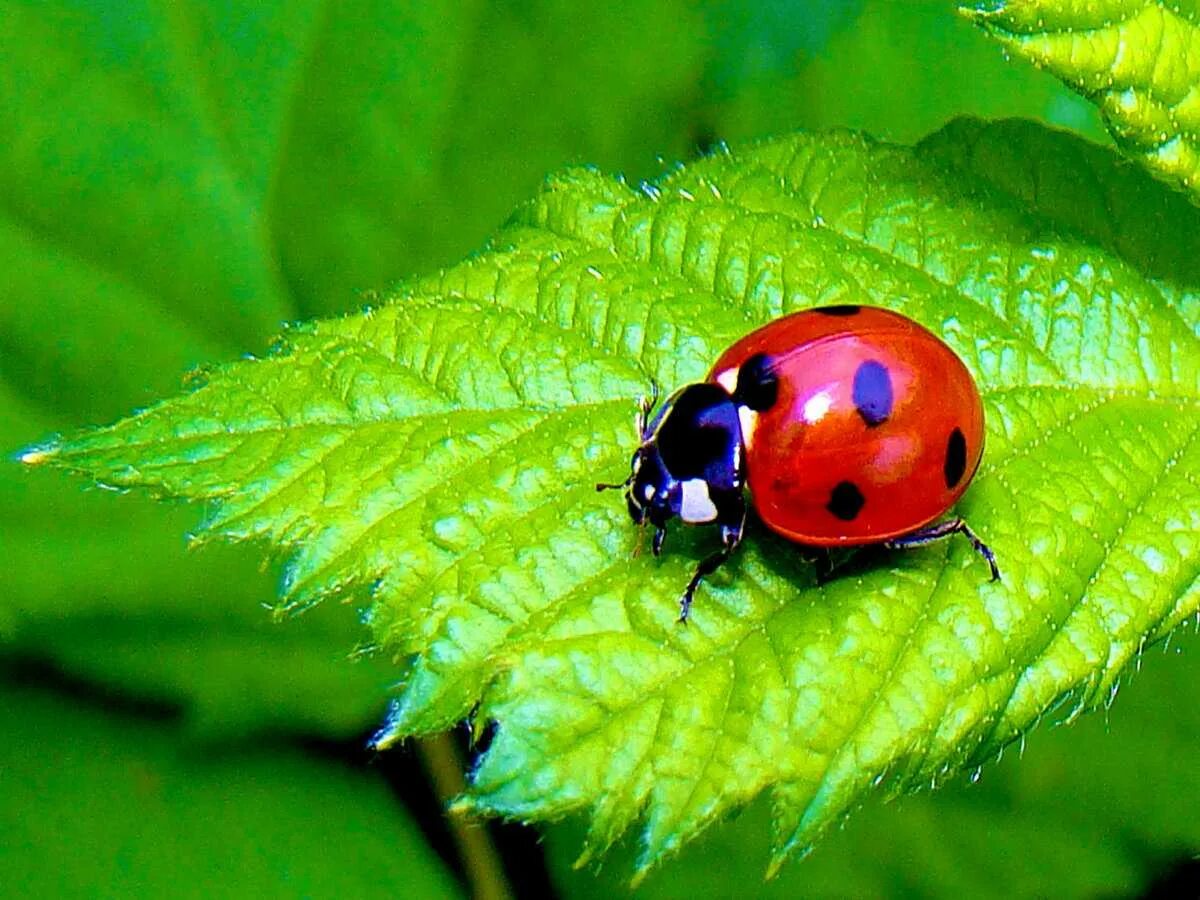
[(775, 864), (639, 875), (36, 455), (584, 858), (390, 731), (781, 855)]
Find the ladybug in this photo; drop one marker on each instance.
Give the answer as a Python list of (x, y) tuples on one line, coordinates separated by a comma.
[(849, 425)]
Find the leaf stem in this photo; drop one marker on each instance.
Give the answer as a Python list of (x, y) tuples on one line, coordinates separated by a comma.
[(481, 863)]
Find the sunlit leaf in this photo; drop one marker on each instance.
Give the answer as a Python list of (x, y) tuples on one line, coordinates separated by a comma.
[(1098, 809), (437, 455)]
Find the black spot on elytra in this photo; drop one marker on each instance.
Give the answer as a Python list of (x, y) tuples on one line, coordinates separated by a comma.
[(845, 309), (956, 458), (873, 392), (757, 384), (845, 501)]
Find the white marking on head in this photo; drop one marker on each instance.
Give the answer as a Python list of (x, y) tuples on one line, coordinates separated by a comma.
[(728, 380), (816, 406), (697, 505), (648, 492)]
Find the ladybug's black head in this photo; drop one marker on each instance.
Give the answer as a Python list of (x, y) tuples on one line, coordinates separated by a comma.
[(689, 462), (652, 493)]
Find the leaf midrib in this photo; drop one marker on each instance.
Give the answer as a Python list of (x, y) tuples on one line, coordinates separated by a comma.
[(332, 426)]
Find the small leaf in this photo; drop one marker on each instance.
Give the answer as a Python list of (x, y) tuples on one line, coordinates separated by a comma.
[(437, 455), (1137, 60)]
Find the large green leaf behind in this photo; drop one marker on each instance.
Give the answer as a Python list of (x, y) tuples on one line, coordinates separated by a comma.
[(1137, 60), (897, 71), (128, 809)]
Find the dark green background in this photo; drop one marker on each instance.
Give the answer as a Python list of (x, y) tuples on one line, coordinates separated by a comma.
[(179, 179)]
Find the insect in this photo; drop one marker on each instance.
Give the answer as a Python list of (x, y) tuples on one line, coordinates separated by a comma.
[(849, 425)]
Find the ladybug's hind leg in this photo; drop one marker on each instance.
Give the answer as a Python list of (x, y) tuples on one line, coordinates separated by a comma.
[(940, 531)]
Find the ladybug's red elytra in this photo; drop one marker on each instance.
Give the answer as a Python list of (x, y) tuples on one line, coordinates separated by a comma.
[(850, 425)]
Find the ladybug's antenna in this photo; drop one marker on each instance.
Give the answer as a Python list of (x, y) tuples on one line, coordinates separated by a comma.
[(603, 486), (645, 407), (633, 470)]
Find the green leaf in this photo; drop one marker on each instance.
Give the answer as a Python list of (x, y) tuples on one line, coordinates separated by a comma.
[(130, 810), (437, 454), (1137, 60), (897, 71)]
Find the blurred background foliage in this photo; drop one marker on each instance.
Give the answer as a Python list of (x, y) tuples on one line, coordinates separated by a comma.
[(178, 179)]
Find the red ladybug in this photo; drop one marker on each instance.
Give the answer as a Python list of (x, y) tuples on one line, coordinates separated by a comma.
[(850, 425)]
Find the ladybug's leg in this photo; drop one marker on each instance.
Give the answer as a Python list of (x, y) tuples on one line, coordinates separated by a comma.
[(731, 536), (823, 564), (941, 531), (660, 535), (827, 561)]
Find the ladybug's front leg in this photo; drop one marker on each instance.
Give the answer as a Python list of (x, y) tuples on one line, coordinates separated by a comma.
[(656, 543), (731, 536), (941, 531)]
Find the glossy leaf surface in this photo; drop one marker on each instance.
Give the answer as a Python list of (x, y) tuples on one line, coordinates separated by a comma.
[(437, 455)]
